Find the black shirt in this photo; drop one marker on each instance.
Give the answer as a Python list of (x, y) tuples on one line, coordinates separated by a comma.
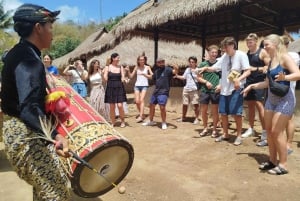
[(24, 84), (255, 61), (162, 77)]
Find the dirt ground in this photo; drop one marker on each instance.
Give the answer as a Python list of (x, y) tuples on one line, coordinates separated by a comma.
[(177, 165)]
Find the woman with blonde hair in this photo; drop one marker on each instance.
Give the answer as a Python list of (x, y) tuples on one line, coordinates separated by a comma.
[(278, 110), (96, 100), (143, 73)]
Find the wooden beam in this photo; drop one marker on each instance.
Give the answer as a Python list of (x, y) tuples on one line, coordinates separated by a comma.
[(259, 5), (257, 20)]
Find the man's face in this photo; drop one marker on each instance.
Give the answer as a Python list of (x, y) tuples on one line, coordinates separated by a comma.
[(160, 63), (229, 49), (251, 44), (192, 63), (213, 53), (45, 34)]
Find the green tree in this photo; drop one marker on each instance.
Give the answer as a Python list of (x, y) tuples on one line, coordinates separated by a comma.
[(7, 41), (63, 46), (5, 17), (113, 21)]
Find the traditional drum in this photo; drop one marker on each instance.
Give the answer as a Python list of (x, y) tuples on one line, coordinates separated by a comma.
[(94, 140)]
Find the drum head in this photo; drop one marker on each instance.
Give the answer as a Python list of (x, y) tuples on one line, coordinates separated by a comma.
[(112, 159)]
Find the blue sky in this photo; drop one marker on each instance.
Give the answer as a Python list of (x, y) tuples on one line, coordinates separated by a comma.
[(82, 11)]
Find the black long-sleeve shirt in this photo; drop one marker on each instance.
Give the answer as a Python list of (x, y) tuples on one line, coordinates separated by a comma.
[(24, 85)]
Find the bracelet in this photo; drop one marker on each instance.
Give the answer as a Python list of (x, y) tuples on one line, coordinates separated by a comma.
[(257, 68)]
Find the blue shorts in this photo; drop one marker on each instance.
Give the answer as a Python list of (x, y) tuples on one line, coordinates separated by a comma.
[(140, 88), (159, 99), (232, 104), (80, 88)]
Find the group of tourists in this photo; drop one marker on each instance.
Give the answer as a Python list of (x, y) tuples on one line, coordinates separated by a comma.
[(221, 82), (224, 82)]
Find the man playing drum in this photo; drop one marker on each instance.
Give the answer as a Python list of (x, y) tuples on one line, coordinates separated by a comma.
[(23, 102)]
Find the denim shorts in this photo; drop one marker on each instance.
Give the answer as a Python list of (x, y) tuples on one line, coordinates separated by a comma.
[(80, 88), (159, 99), (232, 104), (140, 88)]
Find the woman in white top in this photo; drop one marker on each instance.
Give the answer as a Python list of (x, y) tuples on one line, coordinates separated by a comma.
[(78, 75), (143, 73), (97, 93)]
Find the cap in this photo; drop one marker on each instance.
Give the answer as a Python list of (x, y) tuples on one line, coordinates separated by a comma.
[(34, 13), (159, 59)]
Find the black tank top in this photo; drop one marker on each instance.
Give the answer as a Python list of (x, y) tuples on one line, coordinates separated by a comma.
[(255, 61)]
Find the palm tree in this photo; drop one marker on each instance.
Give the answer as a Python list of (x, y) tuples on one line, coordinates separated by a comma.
[(5, 17)]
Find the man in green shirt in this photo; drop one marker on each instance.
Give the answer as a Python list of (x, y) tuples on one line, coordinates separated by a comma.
[(210, 92)]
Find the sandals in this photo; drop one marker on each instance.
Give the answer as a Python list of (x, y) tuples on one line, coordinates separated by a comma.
[(214, 134), (278, 170), (266, 165), (221, 138), (204, 132)]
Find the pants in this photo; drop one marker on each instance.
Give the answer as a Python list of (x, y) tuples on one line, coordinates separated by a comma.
[(34, 161)]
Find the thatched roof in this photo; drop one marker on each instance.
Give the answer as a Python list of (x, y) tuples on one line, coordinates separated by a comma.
[(180, 15), (173, 52), (151, 14), (190, 22)]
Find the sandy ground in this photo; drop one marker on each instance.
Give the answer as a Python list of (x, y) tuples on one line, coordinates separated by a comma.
[(177, 165)]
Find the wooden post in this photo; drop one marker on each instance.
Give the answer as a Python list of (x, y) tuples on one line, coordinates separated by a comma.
[(156, 37), (236, 23), (203, 38)]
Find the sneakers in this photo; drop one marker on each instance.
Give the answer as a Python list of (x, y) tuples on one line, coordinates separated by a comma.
[(238, 141), (196, 121), (164, 126), (149, 123), (262, 143), (248, 133), (263, 135), (180, 120)]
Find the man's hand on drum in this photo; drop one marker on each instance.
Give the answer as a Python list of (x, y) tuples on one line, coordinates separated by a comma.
[(62, 146)]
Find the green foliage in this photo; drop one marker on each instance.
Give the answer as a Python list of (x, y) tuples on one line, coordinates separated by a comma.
[(67, 35), (5, 17), (7, 41), (63, 46), (109, 25)]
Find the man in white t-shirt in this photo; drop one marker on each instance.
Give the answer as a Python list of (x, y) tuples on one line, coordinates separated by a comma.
[(235, 68)]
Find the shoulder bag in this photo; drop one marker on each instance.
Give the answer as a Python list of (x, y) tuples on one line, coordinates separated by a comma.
[(275, 87), (197, 83)]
